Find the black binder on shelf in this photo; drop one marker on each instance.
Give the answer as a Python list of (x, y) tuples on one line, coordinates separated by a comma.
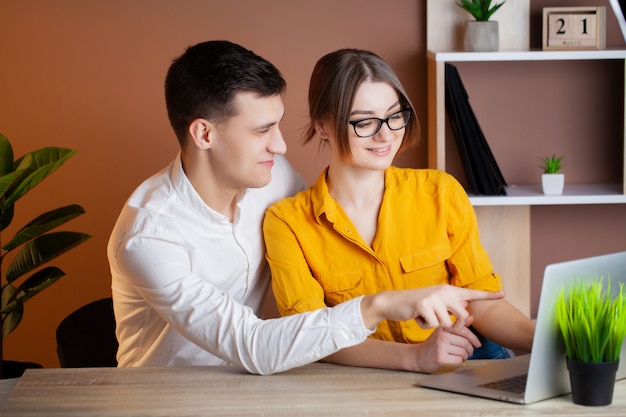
[(482, 171)]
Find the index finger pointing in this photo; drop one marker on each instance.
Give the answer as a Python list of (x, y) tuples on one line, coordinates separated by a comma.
[(476, 295)]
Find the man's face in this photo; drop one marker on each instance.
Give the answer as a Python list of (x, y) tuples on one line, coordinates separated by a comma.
[(243, 148)]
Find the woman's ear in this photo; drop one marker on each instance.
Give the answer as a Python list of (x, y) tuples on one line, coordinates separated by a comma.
[(321, 127), (200, 131)]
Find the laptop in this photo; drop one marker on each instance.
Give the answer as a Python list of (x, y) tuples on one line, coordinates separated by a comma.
[(543, 370)]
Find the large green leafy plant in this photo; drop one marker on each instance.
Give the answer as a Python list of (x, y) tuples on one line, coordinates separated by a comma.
[(592, 319), (480, 9), (34, 244)]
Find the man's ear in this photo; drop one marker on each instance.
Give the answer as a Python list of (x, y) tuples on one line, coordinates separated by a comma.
[(200, 131)]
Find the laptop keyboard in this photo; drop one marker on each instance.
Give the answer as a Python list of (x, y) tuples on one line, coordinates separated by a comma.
[(515, 384)]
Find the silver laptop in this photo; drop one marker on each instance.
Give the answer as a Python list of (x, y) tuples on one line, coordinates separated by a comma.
[(543, 370)]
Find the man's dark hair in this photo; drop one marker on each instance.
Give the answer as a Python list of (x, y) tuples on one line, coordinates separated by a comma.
[(203, 82)]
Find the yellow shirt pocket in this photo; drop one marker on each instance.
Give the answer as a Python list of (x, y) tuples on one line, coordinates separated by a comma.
[(340, 286), (427, 267)]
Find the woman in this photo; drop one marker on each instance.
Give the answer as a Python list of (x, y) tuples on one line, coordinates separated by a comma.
[(366, 226)]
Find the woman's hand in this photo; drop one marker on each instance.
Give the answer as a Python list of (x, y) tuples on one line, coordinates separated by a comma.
[(444, 347)]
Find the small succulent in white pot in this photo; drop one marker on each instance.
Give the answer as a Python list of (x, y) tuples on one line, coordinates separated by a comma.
[(552, 179)]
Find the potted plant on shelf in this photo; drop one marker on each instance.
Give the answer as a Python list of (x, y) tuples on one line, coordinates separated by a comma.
[(33, 245), (552, 179), (481, 34), (592, 320)]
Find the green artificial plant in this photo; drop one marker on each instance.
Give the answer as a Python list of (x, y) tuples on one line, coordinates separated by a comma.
[(34, 244), (480, 9), (552, 164), (592, 320)]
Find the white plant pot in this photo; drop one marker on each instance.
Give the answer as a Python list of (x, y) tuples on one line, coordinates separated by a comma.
[(552, 183), (481, 36)]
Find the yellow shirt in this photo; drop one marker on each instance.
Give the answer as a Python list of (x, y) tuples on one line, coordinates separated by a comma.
[(427, 235)]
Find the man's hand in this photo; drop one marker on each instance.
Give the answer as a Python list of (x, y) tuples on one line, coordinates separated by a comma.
[(430, 306)]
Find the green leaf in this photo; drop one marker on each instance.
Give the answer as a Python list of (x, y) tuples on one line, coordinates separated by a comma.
[(5, 296), (41, 250), (36, 283), (12, 178), (6, 155), (6, 217), (13, 318), (43, 224), (44, 162)]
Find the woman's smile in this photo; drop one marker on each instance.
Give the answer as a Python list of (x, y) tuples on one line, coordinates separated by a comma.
[(380, 151)]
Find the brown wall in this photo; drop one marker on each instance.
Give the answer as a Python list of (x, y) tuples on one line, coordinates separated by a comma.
[(88, 74)]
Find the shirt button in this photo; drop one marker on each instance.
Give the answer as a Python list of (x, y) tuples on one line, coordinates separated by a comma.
[(348, 230)]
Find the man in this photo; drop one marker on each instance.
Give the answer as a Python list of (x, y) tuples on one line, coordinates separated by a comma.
[(187, 257)]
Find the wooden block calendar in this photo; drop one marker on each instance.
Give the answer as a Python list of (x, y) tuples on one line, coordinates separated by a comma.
[(566, 28)]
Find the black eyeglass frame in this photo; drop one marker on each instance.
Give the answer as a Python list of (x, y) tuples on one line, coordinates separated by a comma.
[(380, 122)]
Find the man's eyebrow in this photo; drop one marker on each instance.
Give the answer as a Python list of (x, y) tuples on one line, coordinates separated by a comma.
[(352, 113), (270, 124)]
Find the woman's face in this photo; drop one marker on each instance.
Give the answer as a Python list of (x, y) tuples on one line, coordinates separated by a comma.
[(374, 100)]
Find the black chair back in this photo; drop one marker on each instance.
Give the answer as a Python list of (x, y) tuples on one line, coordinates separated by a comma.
[(86, 338)]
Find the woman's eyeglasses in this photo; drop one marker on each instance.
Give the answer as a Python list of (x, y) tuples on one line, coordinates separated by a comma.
[(364, 128)]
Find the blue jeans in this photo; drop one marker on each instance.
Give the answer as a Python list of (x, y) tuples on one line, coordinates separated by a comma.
[(489, 349)]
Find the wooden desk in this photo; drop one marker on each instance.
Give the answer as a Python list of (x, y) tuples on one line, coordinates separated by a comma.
[(314, 390)]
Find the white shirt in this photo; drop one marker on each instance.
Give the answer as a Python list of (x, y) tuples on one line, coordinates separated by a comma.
[(188, 285)]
